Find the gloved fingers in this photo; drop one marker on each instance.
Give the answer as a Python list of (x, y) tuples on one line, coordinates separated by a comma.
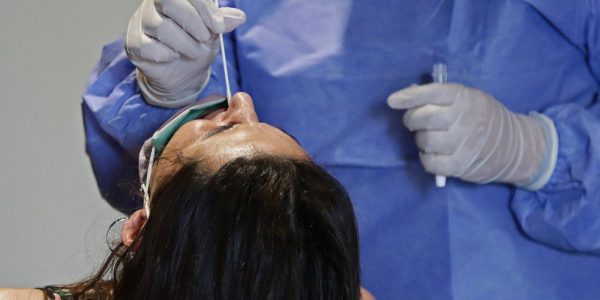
[(215, 18), (211, 45), (440, 164), (185, 15), (438, 142), (419, 95), (168, 32), (141, 47), (431, 117), (233, 18)]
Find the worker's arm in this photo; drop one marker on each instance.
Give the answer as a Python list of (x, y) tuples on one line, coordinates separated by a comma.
[(565, 213), (555, 159)]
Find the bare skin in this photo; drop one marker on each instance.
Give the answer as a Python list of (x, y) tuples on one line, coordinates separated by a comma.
[(33, 294), (21, 294), (246, 136)]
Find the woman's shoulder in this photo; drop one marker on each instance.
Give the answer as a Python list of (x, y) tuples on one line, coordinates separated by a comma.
[(18, 294)]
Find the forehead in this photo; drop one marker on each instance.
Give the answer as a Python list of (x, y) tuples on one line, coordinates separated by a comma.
[(192, 144)]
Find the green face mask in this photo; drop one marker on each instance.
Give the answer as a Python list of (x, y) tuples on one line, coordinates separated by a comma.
[(163, 135), (159, 140)]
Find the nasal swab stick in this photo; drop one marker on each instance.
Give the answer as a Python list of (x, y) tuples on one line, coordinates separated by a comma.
[(224, 58), (440, 75)]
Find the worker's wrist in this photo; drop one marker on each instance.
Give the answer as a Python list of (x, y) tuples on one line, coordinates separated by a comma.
[(545, 169), (169, 99)]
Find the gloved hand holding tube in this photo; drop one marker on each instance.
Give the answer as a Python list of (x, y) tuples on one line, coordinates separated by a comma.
[(173, 44), (465, 133)]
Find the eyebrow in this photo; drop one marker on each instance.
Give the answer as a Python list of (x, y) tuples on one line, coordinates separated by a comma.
[(218, 130), (226, 127)]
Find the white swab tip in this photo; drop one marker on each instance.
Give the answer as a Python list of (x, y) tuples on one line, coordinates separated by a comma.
[(440, 181)]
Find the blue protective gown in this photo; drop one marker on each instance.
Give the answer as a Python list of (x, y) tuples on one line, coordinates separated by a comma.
[(322, 70)]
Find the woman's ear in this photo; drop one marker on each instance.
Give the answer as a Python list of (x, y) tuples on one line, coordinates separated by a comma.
[(132, 227)]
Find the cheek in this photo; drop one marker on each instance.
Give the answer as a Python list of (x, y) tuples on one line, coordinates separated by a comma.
[(189, 133), (214, 114)]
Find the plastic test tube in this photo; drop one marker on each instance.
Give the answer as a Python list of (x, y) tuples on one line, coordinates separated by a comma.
[(440, 75)]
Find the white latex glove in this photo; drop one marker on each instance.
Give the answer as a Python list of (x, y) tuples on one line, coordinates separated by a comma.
[(463, 132), (173, 43)]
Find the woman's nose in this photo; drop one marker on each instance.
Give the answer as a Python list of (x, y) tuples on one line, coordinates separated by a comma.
[(241, 110)]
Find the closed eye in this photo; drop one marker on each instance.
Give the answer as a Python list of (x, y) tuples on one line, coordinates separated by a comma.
[(219, 130)]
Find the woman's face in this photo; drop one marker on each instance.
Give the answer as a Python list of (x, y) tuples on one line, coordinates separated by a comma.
[(223, 136)]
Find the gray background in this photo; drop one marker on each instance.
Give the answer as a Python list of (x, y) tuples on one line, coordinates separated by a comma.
[(52, 219)]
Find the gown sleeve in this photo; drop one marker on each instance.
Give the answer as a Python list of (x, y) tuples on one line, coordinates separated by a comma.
[(565, 213)]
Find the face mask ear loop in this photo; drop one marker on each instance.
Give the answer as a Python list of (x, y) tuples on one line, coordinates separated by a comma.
[(146, 184), (107, 238)]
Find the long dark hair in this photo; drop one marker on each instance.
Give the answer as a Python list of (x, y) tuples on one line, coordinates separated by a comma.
[(264, 227)]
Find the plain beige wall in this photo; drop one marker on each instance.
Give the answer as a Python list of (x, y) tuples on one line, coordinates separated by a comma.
[(52, 219)]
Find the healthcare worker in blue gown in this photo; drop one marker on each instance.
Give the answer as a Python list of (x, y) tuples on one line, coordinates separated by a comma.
[(517, 131)]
